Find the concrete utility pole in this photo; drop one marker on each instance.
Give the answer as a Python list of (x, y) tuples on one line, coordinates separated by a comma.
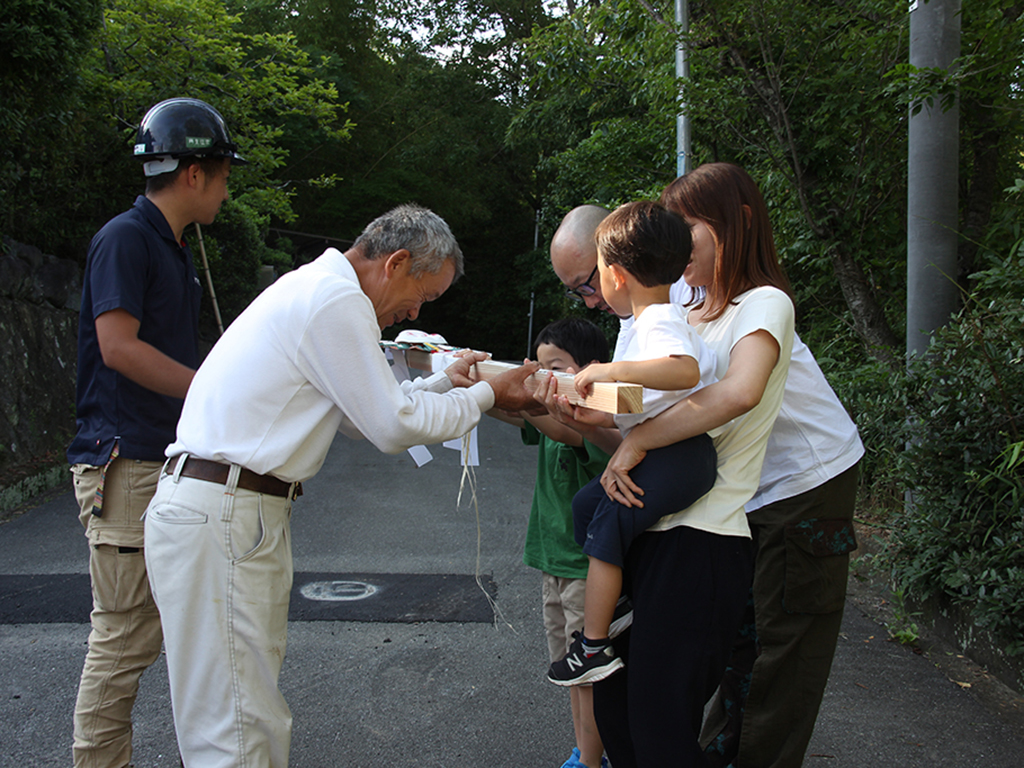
[(932, 162), (682, 71)]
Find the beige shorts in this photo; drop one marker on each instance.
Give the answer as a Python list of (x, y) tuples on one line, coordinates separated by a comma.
[(563, 612)]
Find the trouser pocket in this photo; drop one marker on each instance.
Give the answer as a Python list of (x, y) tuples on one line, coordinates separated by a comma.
[(817, 562)]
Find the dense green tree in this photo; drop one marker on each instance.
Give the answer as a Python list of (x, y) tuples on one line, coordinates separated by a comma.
[(155, 49), (42, 44), (146, 51), (812, 98), (428, 90)]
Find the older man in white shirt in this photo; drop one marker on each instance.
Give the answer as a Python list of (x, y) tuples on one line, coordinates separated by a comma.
[(300, 364)]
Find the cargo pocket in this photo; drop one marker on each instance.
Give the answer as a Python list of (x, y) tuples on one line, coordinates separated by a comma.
[(817, 565)]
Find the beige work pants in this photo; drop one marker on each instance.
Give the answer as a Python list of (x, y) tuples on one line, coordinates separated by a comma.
[(220, 560), (126, 634)]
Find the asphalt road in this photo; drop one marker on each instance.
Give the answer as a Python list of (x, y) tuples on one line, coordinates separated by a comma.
[(424, 672)]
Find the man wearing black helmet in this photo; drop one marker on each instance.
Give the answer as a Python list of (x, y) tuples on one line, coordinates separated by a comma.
[(137, 354)]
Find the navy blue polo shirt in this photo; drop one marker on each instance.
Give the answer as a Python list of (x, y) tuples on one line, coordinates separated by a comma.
[(134, 264)]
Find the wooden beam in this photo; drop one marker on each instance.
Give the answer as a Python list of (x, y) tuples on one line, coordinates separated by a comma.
[(607, 396)]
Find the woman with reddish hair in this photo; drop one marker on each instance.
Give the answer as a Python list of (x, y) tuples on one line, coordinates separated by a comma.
[(788, 455), (689, 574)]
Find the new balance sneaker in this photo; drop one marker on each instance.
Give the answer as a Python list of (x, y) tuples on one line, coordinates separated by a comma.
[(579, 669), (574, 759), (622, 617)]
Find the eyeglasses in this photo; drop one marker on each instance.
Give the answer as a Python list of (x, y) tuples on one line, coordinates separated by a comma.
[(584, 289)]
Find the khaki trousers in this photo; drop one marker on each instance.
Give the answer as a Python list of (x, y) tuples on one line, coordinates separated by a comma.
[(126, 635), (220, 562)]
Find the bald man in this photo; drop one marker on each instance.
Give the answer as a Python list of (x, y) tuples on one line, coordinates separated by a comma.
[(574, 255)]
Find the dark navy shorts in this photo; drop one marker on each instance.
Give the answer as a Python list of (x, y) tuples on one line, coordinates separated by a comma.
[(672, 479)]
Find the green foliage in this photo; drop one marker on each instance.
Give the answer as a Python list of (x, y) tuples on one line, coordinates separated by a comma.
[(871, 392), (947, 430), (903, 629), (235, 246), (431, 131), (147, 51), (42, 43), (155, 49), (601, 105), (963, 534)]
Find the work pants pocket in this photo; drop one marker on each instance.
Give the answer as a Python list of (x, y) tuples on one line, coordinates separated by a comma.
[(817, 561)]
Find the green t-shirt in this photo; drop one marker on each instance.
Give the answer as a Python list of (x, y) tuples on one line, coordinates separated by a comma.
[(561, 471)]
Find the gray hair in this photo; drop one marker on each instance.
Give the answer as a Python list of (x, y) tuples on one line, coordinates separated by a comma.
[(418, 230)]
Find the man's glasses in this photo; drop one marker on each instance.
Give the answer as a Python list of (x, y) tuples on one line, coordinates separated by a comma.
[(580, 292)]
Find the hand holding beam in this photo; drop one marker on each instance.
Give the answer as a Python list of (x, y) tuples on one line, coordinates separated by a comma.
[(607, 396)]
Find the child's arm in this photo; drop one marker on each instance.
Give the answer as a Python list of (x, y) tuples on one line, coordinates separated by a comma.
[(546, 425), (605, 436), (508, 417), (595, 426), (560, 433), (667, 373)]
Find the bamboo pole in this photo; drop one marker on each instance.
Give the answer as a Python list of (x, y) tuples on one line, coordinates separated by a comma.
[(209, 279)]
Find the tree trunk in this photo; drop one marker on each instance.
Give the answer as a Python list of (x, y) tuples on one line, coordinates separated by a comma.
[(868, 318), (980, 193)]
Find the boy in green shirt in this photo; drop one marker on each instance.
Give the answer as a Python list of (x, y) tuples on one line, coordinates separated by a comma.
[(565, 463)]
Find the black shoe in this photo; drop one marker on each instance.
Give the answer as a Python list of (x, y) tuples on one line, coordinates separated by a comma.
[(579, 669), (622, 618)]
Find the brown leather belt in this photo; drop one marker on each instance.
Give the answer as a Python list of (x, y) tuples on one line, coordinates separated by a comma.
[(215, 472)]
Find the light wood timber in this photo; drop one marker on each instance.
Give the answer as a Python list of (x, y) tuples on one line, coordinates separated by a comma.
[(607, 396)]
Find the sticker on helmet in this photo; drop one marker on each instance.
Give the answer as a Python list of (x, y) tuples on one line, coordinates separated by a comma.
[(140, 149), (198, 142)]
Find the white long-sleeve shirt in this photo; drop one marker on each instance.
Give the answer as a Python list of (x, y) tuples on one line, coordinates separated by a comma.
[(303, 362)]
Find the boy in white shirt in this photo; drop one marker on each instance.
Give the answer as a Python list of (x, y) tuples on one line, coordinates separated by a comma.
[(642, 250)]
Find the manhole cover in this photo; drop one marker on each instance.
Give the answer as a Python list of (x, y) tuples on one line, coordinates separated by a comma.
[(333, 591)]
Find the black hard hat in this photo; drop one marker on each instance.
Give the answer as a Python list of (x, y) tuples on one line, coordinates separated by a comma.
[(181, 128)]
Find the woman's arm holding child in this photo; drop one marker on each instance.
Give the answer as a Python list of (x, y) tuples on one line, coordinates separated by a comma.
[(750, 364)]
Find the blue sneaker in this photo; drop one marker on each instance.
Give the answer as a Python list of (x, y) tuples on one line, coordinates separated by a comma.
[(574, 759)]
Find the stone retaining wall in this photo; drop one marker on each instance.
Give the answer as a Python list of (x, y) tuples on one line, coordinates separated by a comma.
[(39, 300)]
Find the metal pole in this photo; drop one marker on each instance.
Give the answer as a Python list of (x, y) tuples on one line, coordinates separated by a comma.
[(682, 72), (932, 162)]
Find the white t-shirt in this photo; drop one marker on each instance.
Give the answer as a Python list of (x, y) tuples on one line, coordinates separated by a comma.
[(662, 331), (742, 442), (303, 362), (813, 440)]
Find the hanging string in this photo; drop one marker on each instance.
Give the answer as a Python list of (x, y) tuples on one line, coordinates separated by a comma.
[(468, 483)]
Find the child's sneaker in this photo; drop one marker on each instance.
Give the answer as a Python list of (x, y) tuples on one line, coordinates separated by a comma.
[(622, 618), (579, 669)]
